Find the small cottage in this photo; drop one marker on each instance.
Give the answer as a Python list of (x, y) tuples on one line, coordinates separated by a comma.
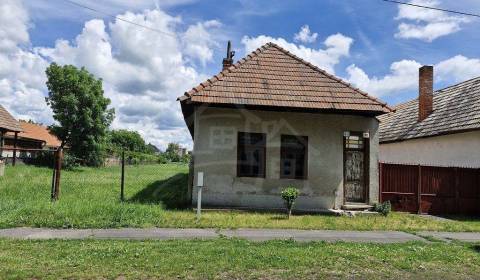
[(273, 120)]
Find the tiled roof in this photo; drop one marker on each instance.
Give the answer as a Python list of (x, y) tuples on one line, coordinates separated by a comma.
[(455, 109), (7, 122), (38, 132), (273, 77)]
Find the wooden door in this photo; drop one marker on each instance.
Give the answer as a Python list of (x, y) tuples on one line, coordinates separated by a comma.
[(355, 163)]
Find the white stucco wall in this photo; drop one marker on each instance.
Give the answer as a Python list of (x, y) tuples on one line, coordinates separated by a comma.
[(215, 154), (456, 150)]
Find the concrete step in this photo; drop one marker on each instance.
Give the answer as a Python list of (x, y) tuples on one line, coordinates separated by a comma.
[(357, 206)]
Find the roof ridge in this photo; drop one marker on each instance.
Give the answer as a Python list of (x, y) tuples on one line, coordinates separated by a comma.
[(457, 84), (436, 92), (223, 73), (316, 68)]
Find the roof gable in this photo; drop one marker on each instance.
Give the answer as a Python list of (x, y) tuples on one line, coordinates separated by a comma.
[(273, 77), (7, 122), (455, 109)]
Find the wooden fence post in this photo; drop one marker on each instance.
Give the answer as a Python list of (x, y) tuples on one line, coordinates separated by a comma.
[(15, 139), (122, 183), (2, 134), (58, 168), (457, 191), (380, 175), (54, 175), (419, 190)]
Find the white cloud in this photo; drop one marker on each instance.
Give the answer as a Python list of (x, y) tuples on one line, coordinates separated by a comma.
[(337, 46), (22, 79), (426, 24), (458, 68), (404, 75), (13, 25), (305, 35), (143, 71), (199, 40)]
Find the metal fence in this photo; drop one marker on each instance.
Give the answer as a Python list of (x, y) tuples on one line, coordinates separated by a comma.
[(126, 178), (39, 157), (430, 189)]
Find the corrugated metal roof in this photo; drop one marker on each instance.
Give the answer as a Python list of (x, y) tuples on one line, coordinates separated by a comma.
[(273, 77), (455, 109)]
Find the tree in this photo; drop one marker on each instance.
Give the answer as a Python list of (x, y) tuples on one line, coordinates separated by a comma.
[(81, 111), (152, 149), (173, 152), (127, 140), (289, 195)]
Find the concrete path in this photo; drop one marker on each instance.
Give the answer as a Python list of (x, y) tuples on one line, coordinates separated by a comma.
[(250, 234), (122, 233), (449, 236)]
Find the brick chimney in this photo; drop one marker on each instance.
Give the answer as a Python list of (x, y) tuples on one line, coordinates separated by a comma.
[(228, 61), (425, 88)]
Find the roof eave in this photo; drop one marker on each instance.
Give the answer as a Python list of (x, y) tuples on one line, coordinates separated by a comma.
[(373, 113), (443, 133)]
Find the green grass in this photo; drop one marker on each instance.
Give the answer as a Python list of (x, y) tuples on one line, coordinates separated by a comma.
[(235, 259), (89, 198)]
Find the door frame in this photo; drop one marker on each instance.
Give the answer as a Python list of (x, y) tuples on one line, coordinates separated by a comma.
[(366, 164)]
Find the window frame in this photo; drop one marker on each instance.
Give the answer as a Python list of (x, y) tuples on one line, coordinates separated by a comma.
[(263, 149), (304, 141)]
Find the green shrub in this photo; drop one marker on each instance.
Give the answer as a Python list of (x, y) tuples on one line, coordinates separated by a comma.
[(290, 194), (70, 162), (47, 158), (41, 158), (383, 208)]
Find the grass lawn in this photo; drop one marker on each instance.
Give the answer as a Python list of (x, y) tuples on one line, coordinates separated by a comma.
[(89, 198), (235, 259)]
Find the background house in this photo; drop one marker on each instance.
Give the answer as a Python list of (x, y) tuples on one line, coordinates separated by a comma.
[(440, 128), (32, 137), (430, 150), (8, 124), (273, 120)]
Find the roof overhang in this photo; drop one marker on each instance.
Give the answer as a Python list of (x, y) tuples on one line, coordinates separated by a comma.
[(189, 107), (430, 136)]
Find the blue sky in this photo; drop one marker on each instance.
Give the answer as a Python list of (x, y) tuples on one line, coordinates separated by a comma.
[(376, 46)]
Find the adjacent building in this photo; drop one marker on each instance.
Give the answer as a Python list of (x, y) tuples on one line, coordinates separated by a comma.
[(24, 137), (8, 124), (440, 128)]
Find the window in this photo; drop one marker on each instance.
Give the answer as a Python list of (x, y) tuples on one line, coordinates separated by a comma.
[(251, 154), (294, 157)]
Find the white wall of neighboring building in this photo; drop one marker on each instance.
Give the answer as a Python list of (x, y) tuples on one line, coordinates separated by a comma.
[(457, 150)]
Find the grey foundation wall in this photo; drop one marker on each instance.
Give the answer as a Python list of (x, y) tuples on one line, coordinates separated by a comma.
[(215, 154)]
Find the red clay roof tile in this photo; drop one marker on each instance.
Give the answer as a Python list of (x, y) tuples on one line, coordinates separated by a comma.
[(272, 76)]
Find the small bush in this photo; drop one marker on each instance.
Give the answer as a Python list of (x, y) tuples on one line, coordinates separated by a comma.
[(41, 158), (70, 162), (290, 194), (383, 208)]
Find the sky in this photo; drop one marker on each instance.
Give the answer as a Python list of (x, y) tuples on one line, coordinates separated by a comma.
[(376, 46)]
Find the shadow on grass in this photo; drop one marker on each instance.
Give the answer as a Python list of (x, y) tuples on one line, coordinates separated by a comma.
[(475, 247), (460, 218), (171, 192)]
